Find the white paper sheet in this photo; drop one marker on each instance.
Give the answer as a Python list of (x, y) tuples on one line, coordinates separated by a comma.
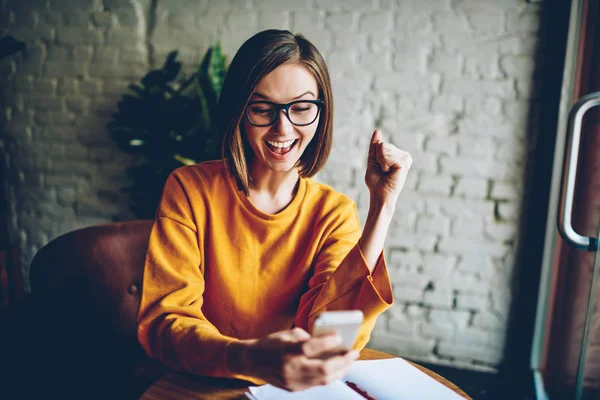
[(391, 379), (334, 391), (397, 379)]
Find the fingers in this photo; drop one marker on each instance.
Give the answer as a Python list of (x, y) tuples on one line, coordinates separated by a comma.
[(319, 346), (376, 138), (380, 153), (341, 370), (298, 334), (294, 360), (386, 154), (295, 339), (391, 157), (322, 372)]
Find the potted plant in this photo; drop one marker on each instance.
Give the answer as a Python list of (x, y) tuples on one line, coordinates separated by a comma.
[(168, 124)]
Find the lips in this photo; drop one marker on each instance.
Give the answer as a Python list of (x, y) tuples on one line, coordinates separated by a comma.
[(281, 148)]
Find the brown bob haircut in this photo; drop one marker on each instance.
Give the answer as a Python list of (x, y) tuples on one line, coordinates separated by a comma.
[(255, 59)]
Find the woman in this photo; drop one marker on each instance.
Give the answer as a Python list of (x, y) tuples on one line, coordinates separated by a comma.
[(246, 251)]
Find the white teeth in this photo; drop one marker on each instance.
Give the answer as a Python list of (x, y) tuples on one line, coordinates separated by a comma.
[(281, 144)]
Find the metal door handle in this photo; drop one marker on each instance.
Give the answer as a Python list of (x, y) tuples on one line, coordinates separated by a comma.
[(569, 171)]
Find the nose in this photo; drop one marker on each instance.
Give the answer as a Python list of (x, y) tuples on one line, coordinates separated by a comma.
[(283, 125)]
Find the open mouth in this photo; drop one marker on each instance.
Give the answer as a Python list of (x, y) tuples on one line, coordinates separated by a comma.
[(281, 148)]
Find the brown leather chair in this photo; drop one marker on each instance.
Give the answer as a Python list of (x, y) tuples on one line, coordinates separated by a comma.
[(85, 293), (103, 266)]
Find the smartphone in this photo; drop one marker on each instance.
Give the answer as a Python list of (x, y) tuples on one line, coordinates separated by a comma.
[(344, 323)]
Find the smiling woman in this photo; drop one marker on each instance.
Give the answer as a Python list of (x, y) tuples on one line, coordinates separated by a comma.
[(268, 71), (280, 133), (247, 251), (300, 113)]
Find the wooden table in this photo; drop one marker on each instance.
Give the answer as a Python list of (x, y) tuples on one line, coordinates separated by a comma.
[(178, 386)]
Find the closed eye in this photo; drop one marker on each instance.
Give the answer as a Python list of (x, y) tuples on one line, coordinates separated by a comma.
[(261, 110), (300, 109)]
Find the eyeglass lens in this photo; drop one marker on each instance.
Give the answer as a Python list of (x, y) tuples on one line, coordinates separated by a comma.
[(300, 113)]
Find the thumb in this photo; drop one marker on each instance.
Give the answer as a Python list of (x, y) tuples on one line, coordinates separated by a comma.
[(375, 140), (377, 137), (298, 334)]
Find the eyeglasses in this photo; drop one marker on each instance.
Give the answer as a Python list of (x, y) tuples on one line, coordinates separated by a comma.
[(299, 112)]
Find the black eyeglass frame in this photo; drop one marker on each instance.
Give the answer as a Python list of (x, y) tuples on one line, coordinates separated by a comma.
[(286, 107)]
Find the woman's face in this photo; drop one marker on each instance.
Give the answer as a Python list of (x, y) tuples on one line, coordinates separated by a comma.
[(278, 147)]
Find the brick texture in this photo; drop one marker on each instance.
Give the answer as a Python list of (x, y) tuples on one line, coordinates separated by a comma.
[(451, 82)]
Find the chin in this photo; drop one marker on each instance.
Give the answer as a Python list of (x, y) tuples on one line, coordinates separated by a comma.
[(283, 167)]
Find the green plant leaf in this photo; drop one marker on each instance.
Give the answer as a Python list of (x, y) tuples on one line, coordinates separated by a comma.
[(154, 78), (167, 124), (217, 68), (184, 160), (170, 59), (137, 89), (172, 71)]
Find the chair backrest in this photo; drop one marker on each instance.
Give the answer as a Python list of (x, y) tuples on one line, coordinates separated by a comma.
[(85, 289), (97, 271)]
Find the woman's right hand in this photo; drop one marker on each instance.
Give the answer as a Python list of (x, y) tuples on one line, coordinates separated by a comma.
[(293, 360)]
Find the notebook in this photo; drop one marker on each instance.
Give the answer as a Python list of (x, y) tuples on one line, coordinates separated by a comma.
[(390, 379)]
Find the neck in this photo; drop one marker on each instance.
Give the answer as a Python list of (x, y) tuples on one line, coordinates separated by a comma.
[(271, 191), (272, 183)]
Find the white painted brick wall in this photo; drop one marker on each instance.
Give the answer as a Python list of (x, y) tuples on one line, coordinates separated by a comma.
[(448, 81)]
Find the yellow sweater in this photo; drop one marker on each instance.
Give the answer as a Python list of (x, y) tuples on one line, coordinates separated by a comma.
[(218, 269)]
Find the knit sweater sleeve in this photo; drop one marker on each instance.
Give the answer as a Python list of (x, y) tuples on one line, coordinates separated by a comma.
[(171, 324), (342, 281)]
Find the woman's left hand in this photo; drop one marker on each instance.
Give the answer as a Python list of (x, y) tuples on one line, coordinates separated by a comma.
[(387, 168)]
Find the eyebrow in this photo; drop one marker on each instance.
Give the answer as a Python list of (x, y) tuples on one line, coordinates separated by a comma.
[(295, 98)]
